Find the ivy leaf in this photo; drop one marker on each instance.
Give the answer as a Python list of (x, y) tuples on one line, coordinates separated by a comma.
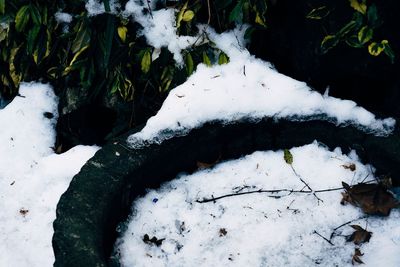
[(287, 156), (223, 59), (372, 16), (188, 15), (206, 60), (22, 18), (318, 13), (146, 61), (353, 41), (375, 48), (348, 28), (359, 6), (388, 50), (365, 34), (328, 43), (122, 31)]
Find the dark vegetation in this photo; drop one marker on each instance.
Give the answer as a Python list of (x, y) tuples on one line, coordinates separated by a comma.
[(107, 82)]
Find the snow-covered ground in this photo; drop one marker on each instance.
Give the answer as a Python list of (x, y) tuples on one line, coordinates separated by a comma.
[(32, 176), (260, 229)]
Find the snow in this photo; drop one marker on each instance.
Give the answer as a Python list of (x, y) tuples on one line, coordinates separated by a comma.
[(32, 176), (62, 17), (260, 230), (96, 7), (245, 88)]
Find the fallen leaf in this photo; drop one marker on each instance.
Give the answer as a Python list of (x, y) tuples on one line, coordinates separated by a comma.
[(356, 257), (360, 235), (152, 241), (23, 211), (371, 198), (222, 232), (351, 167)]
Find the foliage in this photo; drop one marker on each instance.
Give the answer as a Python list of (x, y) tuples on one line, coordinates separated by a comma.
[(103, 54), (358, 32)]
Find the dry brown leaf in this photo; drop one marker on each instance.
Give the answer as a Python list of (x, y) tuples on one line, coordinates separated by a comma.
[(350, 166), (152, 241), (360, 235), (356, 257), (371, 198)]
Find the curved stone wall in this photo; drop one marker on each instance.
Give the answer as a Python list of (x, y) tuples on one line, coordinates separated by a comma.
[(100, 196)]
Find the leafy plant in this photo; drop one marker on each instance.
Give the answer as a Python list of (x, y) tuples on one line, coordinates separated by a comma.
[(357, 33)]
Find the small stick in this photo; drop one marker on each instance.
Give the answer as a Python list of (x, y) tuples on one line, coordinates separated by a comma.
[(304, 182), (324, 238)]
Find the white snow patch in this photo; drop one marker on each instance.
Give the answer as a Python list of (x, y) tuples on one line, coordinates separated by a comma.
[(96, 7), (159, 28), (62, 17), (260, 230), (32, 177)]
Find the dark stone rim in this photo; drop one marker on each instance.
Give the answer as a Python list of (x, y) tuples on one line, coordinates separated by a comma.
[(100, 196)]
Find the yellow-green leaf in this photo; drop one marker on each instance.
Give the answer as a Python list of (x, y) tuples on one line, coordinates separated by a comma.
[(365, 34), (22, 18), (287, 156), (388, 50), (223, 58), (188, 15), (206, 59), (78, 54), (179, 17), (329, 42), (146, 61), (260, 20), (122, 31), (359, 6), (375, 48)]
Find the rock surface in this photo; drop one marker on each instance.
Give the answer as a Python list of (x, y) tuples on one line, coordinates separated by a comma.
[(100, 196)]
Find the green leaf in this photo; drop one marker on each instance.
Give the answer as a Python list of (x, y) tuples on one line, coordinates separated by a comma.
[(236, 14), (179, 17), (388, 50), (346, 29), (206, 59), (2, 6), (35, 15), (318, 13), (223, 58), (82, 38), (146, 61), (189, 64), (359, 6), (166, 78), (287, 156), (353, 41), (188, 15), (328, 43), (31, 39), (365, 34), (375, 48), (22, 18), (248, 33)]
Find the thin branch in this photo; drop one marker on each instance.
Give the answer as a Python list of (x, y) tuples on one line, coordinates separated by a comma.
[(274, 191), (209, 12), (304, 182), (344, 224), (149, 7), (324, 238)]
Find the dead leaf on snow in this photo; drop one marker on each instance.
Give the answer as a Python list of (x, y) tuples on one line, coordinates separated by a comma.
[(371, 198), (152, 241), (350, 166), (360, 235), (356, 257), (23, 211), (222, 232)]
